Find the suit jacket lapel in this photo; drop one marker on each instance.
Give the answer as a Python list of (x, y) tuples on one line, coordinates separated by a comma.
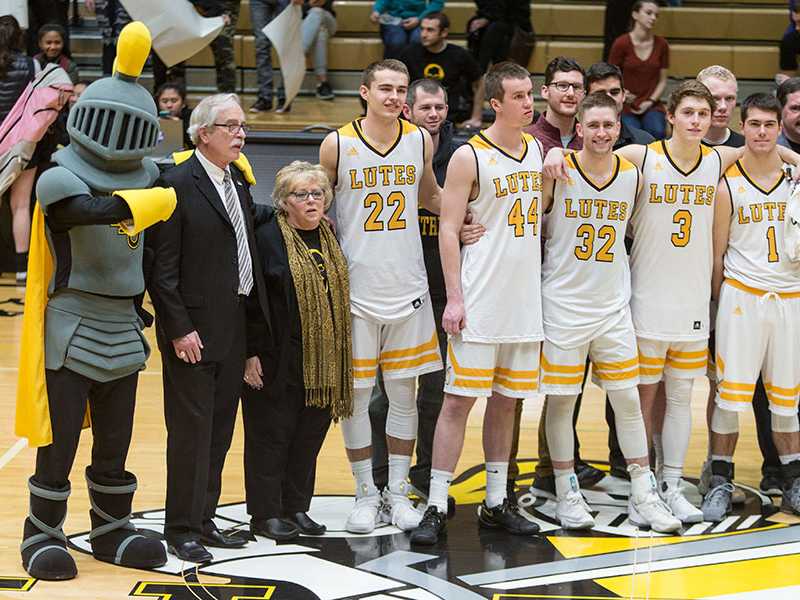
[(208, 190)]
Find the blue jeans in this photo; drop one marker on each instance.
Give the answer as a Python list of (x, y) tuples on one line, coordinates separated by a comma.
[(653, 122), (261, 13), (318, 26), (395, 38)]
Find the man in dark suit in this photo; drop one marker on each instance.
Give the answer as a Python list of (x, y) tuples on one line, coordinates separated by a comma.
[(202, 272)]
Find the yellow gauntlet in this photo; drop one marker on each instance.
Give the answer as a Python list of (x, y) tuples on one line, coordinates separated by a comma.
[(148, 207)]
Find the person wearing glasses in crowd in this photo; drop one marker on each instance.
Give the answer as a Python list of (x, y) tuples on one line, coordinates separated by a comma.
[(299, 378), (201, 274)]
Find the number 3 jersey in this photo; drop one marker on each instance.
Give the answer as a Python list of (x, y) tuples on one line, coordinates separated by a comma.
[(672, 257), (755, 245), (585, 275), (376, 221), (500, 274)]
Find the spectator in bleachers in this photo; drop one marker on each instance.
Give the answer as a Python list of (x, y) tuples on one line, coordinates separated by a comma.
[(616, 22), (789, 97), (723, 86), (400, 20), (790, 45), (563, 91), (491, 30), (603, 77), (16, 71), (452, 65), (41, 12), (222, 46), (171, 102), (261, 13), (111, 18), (51, 45), (643, 58)]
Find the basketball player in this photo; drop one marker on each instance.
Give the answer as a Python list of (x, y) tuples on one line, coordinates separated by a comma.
[(585, 294), (671, 263), (493, 311), (381, 167), (758, 319)]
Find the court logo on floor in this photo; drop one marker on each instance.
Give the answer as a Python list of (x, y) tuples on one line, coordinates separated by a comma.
[(750, 553)]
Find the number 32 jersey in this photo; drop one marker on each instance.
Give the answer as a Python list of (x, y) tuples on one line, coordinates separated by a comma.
[(500, 274), (672, 256), (376, 220)]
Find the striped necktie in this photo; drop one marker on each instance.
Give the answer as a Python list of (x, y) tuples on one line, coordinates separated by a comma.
[(242, 250)]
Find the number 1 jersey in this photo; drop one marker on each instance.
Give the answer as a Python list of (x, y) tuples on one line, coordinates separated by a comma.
[(672, 257), (501, 273), (376, 221)]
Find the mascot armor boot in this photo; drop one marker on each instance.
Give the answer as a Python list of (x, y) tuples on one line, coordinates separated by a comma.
[(82, 343)]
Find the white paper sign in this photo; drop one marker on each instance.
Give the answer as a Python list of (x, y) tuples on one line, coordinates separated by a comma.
[(284, 33), (178, 30), (17, 8)]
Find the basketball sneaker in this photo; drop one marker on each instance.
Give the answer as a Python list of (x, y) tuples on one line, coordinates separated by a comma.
[(683, 510), (432, 525), (718, 502), (573, 512), (398, 509), (790, 503), (505, 516), (649, 511), (365, 514)]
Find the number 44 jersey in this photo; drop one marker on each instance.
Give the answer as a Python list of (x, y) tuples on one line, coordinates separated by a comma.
[(672, 257), (376, 221), (500, 274)]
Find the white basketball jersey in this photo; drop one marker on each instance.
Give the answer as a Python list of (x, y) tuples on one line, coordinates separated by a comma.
[(672, 257), (376, 221), (585, 275), (501, 273), (755, 255)]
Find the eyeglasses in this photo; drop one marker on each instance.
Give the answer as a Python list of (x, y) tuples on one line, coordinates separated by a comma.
[(563, 86), (234, 128), (302, 196)]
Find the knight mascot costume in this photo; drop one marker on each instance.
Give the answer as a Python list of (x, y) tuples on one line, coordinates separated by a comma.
[(82, 344)]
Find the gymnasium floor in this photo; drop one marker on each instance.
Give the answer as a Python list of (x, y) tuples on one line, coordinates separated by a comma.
[(746, 557)]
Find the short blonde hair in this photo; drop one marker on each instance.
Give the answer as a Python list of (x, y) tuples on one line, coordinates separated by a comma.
[(717, 72), (299, 170)]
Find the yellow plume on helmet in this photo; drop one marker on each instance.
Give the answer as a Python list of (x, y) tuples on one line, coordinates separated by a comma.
[(133, 49)]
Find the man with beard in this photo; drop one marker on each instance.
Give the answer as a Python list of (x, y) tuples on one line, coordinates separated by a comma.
[(452, 65)]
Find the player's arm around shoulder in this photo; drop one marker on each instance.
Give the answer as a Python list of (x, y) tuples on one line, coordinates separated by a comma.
[(723, 213), (429, 191), (462, 175), (633, 153), (329, 156)]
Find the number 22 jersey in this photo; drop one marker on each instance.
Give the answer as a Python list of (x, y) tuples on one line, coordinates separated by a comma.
[(376, 221)]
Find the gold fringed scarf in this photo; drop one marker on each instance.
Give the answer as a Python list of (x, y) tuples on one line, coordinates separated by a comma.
[(327, 350)]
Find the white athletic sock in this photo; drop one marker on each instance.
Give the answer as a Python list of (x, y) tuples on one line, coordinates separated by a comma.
[(671, 475), (562, 477), (642, 481), (787, 458), (362, 473), (440, 485), (399, 464), (496, 481)]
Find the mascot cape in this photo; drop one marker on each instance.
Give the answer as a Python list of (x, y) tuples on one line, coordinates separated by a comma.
[(33, 412)]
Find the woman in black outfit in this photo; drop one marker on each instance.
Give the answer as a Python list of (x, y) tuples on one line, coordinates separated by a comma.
[(299, 377)]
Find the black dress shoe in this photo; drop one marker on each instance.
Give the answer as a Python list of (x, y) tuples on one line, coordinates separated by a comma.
[(276, 529), (216, 539), (306, 524), (190, 551), (587, 474)]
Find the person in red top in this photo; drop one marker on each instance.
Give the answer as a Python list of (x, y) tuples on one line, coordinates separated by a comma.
[(644, 60)]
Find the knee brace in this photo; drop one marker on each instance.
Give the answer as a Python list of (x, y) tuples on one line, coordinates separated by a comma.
[(558, 425), (677, 420), (725, 422), (783, 423), (401, 421), (630, 424), (356, 430)]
